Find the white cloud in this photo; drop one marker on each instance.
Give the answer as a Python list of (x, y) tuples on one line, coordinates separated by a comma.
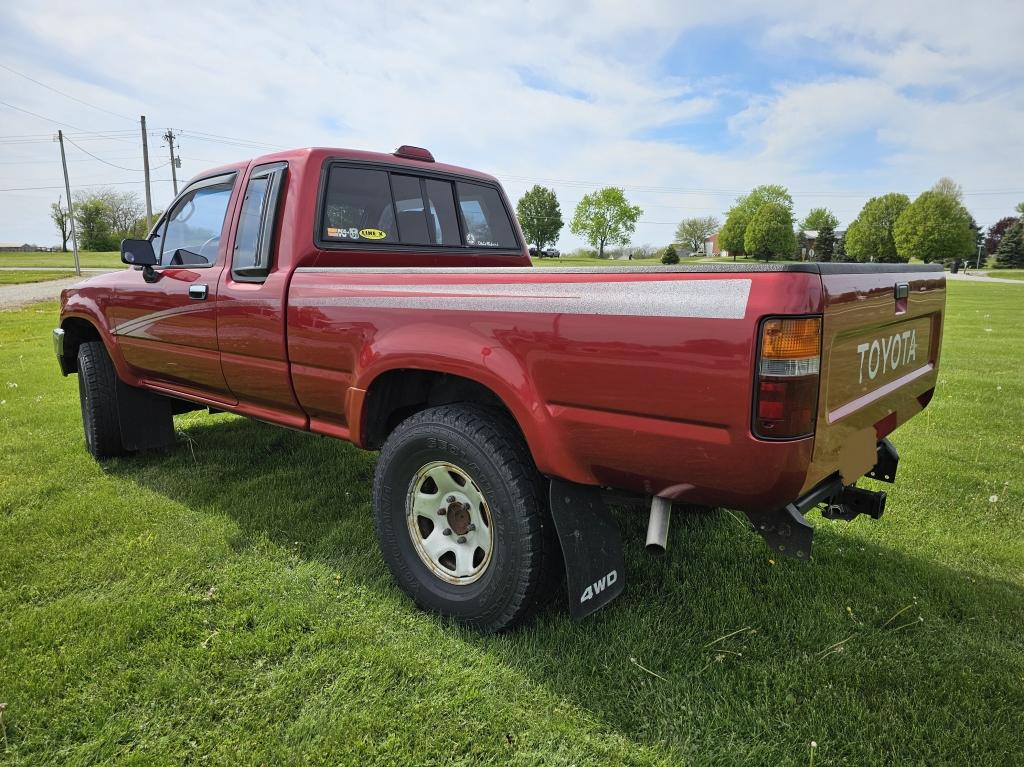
[(539, 91)]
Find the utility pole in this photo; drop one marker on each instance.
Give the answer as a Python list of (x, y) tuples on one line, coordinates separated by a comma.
[(71, 210), (169, 138), (145, 166)]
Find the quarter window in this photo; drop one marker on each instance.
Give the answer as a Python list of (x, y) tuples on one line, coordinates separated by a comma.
[(255, 236)]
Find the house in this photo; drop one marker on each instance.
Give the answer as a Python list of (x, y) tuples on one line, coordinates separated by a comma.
[(711, 245), (13, 247), (808, 239)]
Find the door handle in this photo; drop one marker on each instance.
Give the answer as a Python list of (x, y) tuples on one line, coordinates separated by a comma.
[(197, 292)]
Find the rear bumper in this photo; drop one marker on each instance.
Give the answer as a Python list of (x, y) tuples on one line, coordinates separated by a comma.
[(787, 532)]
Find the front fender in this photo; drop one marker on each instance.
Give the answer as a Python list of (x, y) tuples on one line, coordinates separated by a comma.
[(80, 306)]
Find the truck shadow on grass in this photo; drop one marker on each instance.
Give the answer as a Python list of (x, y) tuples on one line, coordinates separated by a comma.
[(867, 648)]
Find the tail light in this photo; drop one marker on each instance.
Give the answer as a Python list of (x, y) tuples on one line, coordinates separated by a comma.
[(789, 358)]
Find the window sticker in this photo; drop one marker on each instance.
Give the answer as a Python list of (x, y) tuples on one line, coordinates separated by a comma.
[(350, 233), (372, 234)]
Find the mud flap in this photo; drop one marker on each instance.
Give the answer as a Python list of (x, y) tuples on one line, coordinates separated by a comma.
[(146, 418), (595, 570)]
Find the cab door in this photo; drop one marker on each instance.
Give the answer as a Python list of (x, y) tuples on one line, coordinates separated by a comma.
[(252, 302), (166, 323)]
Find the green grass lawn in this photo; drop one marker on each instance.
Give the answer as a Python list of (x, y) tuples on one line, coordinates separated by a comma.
[(87, 258), (224, 603), (1009, 274), (24, 277)]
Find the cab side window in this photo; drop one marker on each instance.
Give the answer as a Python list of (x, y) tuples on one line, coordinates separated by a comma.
[(191, 234)]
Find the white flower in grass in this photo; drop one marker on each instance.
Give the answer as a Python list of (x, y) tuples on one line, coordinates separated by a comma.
[(12, 385), (993, 498)]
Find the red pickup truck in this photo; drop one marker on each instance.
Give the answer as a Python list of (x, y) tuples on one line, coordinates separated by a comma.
[(389, 300)]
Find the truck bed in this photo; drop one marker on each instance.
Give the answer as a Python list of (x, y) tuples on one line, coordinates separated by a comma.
[(634, 378)]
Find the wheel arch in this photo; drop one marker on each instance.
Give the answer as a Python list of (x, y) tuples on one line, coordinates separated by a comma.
[(397, 393)]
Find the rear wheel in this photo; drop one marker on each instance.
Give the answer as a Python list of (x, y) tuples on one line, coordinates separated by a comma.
[(97, 393), (461, 517)]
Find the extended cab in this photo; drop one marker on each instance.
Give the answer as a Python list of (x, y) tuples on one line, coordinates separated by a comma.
[(389, 300)]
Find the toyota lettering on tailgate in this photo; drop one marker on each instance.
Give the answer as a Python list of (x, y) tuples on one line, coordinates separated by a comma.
[(885, 354)]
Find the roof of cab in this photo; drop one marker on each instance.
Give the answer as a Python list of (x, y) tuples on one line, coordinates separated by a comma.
[(319, 154)]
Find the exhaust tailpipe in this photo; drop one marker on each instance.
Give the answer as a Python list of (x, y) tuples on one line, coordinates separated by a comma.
[(657, 525)]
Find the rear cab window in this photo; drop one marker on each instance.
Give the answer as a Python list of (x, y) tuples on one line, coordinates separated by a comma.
[(398, 206)]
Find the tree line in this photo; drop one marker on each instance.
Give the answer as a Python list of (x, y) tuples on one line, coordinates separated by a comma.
[(103, 218), (935, 227)]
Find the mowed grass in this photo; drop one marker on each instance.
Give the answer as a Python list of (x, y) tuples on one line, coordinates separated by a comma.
[(224, 603), (87, 258), (18, 277), (1009, 274)]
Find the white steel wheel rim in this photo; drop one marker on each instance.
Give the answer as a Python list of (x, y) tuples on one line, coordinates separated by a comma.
[(449, 523)]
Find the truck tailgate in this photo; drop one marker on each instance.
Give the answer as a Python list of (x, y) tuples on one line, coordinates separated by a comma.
[(881, 337)]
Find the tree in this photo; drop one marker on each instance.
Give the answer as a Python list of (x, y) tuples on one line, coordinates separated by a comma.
[(605, 217), (825, 245), (693, 231), (540, 217), (935, 227), (1010, 253), (870, 236), (1020, 209), (818, 219), (124, 209), (996, 233), (770, 232), (61, 220), (950, 188), (733, 235), (93, 219), (670, 256)]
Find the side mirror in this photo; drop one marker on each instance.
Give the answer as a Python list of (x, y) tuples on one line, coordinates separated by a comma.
[(138, 252)]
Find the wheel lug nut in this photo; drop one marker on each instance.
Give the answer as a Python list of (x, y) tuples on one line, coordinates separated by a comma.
[(446, 531), (450, 499), (471, 527), (442, 512), (461, 539)]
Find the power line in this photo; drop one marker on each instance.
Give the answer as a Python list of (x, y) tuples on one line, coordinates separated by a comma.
[(105, 162), (83, 186), (62, 93)]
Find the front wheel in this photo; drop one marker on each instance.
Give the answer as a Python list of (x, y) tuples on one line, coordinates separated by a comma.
[(461, 517), (97, 393)]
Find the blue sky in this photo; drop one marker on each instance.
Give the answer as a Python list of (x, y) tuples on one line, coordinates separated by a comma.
[(683, 105)]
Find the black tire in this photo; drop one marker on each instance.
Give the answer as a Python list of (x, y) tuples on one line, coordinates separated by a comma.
[(525, 563), (97, 392)]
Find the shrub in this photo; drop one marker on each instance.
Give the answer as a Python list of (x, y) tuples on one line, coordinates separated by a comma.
[(670, 257)]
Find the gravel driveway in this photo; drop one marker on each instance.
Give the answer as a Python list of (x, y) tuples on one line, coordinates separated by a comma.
[(13, 296)]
